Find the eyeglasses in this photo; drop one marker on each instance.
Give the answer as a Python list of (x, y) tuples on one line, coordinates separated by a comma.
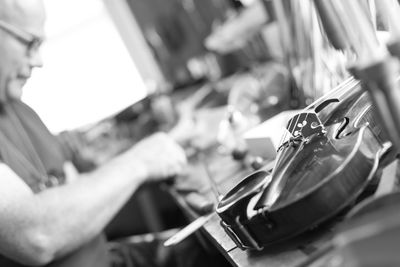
[(32, 41)]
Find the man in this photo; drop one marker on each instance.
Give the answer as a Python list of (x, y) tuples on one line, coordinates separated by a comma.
[(45, 218)]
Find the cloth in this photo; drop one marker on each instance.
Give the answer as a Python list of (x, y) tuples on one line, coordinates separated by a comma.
[(29, 149), (25, 143)]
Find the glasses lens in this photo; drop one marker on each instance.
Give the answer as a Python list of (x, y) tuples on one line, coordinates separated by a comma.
[(32, 41), (35, 44)]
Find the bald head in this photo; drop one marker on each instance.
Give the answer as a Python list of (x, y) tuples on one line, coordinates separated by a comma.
[(27, 14), (17, 61)]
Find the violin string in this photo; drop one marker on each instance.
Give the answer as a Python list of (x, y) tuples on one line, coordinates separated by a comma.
[(296, 124), (287, 130), (308, 113), (278, 157), (212, 182)]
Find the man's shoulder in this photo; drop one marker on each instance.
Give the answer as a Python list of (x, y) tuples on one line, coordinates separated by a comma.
[(24, 106)]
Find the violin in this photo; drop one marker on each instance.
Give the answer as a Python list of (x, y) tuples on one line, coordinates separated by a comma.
[(331, 152)]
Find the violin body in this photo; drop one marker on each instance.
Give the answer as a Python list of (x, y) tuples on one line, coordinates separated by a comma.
[(332, 154)]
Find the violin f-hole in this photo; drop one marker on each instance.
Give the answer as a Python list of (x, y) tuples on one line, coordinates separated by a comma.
[(342, 127), (325, 104)]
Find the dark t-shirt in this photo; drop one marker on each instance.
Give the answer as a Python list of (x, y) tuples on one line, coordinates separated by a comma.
[(27, 147)]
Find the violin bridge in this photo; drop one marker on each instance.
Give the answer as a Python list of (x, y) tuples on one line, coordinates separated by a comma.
[(305, 124)]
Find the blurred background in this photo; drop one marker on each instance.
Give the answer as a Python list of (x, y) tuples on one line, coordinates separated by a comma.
[(117, 71), (86, 64), (106, 62)]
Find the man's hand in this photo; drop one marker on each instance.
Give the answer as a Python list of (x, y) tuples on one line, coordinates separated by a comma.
[(161, 156)]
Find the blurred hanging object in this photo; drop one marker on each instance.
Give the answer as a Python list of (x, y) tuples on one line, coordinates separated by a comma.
[(332, 26), (314, 65), (376, 67), (373, 65), (390, 10)]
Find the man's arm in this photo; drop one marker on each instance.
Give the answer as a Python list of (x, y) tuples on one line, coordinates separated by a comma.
[(37, 228)]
